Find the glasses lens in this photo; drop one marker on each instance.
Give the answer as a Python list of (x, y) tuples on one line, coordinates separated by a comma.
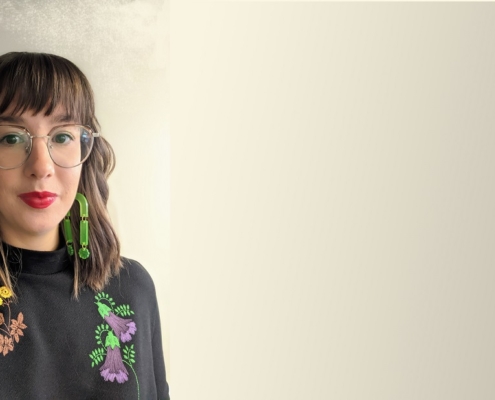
[(70, 145), (14, 146)]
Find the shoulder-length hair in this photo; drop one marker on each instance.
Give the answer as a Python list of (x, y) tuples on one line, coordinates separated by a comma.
[(39, 83)]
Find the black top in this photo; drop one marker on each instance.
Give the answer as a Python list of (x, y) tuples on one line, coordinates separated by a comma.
[(104, 345)]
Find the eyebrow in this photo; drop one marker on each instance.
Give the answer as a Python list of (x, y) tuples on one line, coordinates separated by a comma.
[(10, 119), (62, 118)]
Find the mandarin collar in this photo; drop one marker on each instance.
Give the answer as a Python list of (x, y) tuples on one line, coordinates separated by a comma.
[(37, 262)]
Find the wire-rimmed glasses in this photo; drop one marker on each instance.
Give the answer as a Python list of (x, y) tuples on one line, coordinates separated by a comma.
[(68, 145)]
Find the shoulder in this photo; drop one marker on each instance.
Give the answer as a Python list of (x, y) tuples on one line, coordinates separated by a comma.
[(133, 283), (133, 270)]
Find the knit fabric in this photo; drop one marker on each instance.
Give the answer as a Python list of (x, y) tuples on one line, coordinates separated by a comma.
[(104, 345)]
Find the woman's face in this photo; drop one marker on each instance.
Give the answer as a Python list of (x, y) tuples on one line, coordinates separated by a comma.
[(35, 197)]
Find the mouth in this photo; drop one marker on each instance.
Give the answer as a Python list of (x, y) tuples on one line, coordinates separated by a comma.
[(38, 199)]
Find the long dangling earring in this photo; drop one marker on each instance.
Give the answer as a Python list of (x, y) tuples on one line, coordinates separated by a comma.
[(83, 226), (68, 234), (83, 229)]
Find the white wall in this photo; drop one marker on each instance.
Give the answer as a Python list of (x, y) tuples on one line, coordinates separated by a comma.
[(122, 47), (333, 169)]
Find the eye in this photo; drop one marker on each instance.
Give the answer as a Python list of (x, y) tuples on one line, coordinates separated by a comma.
[(11, 139), (85, 137), (62, 138)]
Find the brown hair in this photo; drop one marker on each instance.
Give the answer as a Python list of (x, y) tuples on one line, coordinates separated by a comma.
[(40, 82)]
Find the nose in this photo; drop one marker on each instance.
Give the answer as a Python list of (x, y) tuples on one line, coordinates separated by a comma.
[(39, 164)]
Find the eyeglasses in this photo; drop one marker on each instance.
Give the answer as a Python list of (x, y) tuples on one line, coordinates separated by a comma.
[(68, 145)]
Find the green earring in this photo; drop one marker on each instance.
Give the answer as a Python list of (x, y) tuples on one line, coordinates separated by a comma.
[(83, 229), (68, 234)]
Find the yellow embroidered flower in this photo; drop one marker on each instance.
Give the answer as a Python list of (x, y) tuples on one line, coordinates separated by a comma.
[(5, 292), (1, 301)]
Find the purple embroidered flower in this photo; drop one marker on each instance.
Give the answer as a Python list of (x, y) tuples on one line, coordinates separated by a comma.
[(123, 328), (113, 368)]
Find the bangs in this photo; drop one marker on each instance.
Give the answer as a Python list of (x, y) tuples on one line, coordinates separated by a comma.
[(42, 82)]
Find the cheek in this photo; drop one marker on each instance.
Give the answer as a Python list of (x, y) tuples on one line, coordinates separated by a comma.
[(9, 182), (6, 175), (70, 181)]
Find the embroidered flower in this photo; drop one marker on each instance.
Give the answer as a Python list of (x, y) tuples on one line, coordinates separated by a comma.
[(113, 368), (115, 360), (123, 327), (10, 328), (5, 292), (16, 327), (6, 344)]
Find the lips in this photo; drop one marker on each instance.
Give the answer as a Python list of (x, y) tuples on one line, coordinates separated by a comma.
[(38, 199)]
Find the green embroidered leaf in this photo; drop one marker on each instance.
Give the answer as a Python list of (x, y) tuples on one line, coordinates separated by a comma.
[(100, 296), (124, 310), (103, 296), (128, 354), (97, 356), (99, 330)]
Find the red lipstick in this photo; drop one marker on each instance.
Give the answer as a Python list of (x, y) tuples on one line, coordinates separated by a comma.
[(38, 199)]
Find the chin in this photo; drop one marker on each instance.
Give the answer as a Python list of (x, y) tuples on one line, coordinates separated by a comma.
[(41, 227)]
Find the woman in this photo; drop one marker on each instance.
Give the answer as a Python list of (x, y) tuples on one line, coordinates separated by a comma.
[(77, 321)]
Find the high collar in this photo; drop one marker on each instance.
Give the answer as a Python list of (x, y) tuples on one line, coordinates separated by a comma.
[(37, 262)]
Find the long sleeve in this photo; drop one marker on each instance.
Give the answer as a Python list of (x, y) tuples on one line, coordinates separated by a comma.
[(158, 361)]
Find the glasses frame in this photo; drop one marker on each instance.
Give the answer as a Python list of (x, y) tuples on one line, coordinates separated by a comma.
[(31, 137)]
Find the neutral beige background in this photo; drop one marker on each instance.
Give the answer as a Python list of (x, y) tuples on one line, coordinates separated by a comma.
[(122, 47), (333, 201)]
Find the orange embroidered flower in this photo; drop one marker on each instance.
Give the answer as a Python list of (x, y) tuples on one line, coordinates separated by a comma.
[(5, 292), (6, 344), (16, 327)]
